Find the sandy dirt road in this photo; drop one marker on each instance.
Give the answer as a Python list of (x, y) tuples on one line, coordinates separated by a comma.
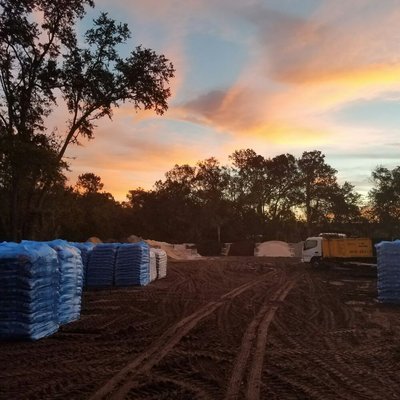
[(222, 328)]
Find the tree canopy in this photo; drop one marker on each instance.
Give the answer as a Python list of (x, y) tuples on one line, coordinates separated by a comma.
[(43, 63), (255, 197), (385, 199)]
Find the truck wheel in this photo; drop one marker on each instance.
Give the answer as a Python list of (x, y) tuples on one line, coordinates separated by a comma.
[(315, 262)]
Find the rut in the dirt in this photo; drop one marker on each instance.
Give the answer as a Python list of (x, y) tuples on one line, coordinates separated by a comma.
[(121, 383), (254, 341)]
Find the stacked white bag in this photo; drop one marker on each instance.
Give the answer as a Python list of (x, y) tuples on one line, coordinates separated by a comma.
[(153, 265), (161, 263)]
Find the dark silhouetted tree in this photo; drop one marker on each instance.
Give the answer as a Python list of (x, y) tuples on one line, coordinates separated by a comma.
[(89, 183), (211, 184), (42, 64), (249, 179), (317, 182), (385, 200), (282, 195), (346, 205), (247, 191)]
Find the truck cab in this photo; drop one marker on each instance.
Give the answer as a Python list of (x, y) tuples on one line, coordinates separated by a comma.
[(312, 250)]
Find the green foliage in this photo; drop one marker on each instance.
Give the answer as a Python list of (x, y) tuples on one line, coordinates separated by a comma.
[(96, 79), (89, 183), (256, 197), (42, 64), (317, 184), (385, 200), (204, 203)]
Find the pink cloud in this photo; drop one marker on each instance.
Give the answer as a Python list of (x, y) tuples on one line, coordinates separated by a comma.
[(298, 70), (339, 37)]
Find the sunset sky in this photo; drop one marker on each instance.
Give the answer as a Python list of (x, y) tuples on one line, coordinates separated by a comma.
[(277, 76)]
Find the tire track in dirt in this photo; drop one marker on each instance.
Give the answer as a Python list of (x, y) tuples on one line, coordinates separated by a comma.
[(339, 379), (230, 317), (160, 386), (121, 383), (253, 385), (350, 385), (370, 382), (315, 393), (257, 330)]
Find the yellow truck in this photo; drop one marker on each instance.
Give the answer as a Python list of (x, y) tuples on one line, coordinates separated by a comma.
[(322, 249)]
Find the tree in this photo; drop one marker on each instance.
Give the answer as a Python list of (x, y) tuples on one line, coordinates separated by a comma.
[(268, 187), (247, 192), (385, 200), (26, 167), (169, 211), (283, 186), (249, 179), (345, 205), (317, 181), (41, 64), (89, 183), (282, 194), (211, 183), (179, 205)]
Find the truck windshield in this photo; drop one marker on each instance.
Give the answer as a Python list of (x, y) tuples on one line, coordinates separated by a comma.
[(310, 244)]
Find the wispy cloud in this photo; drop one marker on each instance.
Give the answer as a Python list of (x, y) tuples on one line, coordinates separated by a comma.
[(302, 62)]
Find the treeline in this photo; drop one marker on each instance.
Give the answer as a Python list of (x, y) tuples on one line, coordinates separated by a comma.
[(282, 198)]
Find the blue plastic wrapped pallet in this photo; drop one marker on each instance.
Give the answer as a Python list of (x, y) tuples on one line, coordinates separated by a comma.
[(388, 257), (86, 250), (71, 280), (100, 271), (132, 265), (29, 291)]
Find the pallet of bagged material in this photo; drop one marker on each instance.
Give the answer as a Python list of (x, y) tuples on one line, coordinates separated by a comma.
[(86, 250), (161, 263), (388, 272), (132, 265), (153, 265), (71, 280), (29, 287), (101, 266)]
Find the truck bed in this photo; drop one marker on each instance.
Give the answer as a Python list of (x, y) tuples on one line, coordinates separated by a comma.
[(347, 248)]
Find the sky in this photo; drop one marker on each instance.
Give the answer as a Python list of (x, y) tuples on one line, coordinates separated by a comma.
[(276, 76)]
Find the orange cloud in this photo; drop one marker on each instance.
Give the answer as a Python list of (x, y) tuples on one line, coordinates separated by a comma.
[(128, 155), (297, 112), (299, 70)]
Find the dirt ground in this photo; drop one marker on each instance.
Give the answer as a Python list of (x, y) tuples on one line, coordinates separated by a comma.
[(222, 328)]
